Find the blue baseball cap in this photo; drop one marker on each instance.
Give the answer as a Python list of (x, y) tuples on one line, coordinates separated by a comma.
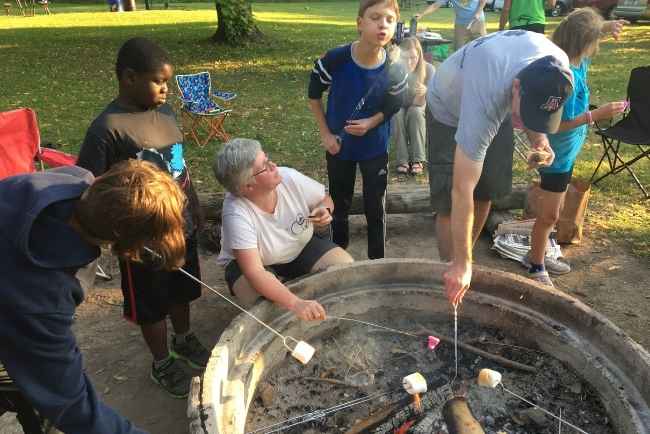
[(544, 87)]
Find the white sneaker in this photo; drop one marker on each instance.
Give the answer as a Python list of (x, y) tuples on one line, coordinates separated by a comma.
[(555, 266), (541, 277)]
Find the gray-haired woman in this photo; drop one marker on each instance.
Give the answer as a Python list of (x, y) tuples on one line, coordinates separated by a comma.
[(268, 221)]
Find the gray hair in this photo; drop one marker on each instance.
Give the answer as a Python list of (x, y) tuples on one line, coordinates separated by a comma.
[(233, 165)]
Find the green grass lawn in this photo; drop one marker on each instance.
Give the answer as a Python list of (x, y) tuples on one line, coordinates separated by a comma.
[(62, 66)]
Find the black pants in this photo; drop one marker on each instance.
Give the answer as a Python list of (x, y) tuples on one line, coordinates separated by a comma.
[(534, 27), (374, 173)]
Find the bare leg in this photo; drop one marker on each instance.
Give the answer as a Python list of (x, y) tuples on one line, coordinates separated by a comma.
[(443, 235), (155, 335), (180, 316), (549, 212), (481, 213), (333, 257)]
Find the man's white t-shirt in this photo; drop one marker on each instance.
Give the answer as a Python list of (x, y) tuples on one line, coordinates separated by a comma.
[(472, 89), (279, 237)]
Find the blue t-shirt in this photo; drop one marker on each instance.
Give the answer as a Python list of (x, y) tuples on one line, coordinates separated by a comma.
[(464, 10), (567, 144), (356, 92)]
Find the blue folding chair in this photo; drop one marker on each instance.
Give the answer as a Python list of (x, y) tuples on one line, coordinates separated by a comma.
[(202, 115)]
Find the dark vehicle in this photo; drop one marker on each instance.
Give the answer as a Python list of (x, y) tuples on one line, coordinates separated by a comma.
[(563, 7), (633, 10)]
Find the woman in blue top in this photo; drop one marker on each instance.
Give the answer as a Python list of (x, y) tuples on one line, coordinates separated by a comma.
[(578, 35)]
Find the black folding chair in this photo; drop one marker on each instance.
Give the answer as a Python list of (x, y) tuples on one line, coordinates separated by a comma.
[(633, 131)]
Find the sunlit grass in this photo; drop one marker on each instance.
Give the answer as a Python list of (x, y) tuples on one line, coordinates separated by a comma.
[(62, 65)]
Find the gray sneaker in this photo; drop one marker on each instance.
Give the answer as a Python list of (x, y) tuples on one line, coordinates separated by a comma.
[(541, 277), (557, 267), (172, 378), (191, 351)]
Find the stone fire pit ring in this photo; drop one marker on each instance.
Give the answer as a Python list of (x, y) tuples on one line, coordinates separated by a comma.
[(560, 325)]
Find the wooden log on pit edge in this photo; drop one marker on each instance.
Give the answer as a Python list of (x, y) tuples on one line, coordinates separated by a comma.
[(400, 199), (459, 417)]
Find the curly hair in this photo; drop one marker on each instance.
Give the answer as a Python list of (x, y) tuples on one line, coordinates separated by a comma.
[(133, 205)]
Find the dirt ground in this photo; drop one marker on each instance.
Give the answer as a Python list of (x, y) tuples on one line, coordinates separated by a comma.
[(605, 276)]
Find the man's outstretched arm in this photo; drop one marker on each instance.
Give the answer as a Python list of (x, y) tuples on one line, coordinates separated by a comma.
[(459, 275)]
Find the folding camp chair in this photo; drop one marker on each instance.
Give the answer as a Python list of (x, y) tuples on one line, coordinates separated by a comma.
[(633, 130), (199, 110), (20, 150)]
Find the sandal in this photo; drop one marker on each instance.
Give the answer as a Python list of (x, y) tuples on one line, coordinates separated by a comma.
[(403, 169), (417, 168)]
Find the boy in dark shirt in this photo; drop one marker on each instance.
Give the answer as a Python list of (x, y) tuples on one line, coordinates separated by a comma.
[(51, 224), (365, 90), (139, 125)]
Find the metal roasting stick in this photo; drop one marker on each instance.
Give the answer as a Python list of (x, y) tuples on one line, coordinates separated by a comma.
[(455, 343), (562, 421), (280, 335), (315, 415), (373, 325)]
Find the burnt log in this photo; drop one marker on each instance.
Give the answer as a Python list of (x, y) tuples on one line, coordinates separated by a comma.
[(459, 417), (400, 199)]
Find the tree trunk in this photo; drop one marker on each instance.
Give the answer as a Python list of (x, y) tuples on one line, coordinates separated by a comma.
[(400, 199), (235, 23)]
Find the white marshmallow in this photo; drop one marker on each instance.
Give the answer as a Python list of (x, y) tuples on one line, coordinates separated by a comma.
[(489, 378), (414, 383), (303, 352)]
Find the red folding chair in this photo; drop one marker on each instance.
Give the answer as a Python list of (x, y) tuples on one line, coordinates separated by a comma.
[(20, 150), (20, 145)]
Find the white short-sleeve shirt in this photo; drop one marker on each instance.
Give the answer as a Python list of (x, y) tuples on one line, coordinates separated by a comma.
[(279, 237)]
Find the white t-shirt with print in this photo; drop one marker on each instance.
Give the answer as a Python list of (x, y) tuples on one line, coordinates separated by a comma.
[(280, 236)]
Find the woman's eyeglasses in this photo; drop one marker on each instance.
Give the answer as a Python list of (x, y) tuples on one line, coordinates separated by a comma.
[(267, 166)]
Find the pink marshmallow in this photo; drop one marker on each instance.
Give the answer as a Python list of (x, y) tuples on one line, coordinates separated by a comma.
[(432, 342)]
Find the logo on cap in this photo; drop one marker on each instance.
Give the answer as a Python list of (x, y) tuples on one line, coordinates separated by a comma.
[(552, 104)]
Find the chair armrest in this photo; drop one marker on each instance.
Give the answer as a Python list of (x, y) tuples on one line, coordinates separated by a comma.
[(224, 95)]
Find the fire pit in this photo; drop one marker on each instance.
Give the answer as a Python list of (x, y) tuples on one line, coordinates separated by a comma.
[(567, 358)]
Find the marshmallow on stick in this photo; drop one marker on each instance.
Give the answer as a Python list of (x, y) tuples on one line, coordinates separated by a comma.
[(489, 378)]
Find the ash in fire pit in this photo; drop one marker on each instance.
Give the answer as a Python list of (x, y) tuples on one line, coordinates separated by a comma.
[(355, 361)]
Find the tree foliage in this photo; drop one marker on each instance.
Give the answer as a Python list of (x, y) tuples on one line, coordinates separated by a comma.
[(235, 22)]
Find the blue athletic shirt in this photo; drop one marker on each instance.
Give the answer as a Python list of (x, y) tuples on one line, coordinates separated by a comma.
[(567, 144), (351, 86)]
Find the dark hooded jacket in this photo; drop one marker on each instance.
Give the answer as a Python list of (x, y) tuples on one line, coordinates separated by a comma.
[(39, 255)]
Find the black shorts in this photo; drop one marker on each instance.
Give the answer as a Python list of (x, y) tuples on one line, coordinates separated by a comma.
[(555, 182), (534, 27), (496, 178), (303, 264), (149, 292)]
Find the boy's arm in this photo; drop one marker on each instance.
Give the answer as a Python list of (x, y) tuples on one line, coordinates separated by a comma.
[(397, 95), (319, 81), (505, 14), (42, 358), (93, 155)]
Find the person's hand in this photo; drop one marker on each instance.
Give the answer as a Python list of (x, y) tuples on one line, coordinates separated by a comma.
[(331, 143), (541, 154), (457, 279), (358, 127), (615, 27), (308, 310), (320, 217), (609, 110), (420, 90)]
